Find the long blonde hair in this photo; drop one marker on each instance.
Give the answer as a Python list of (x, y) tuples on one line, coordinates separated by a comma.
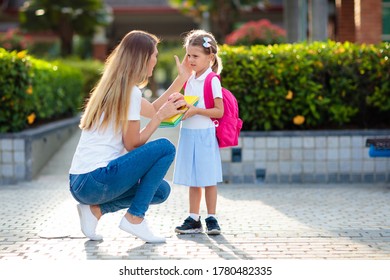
[(125, 67), (196, 38)]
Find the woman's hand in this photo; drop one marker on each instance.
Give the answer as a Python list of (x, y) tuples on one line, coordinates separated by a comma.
[(176, 96), (175, 105), (183, 68), (135, 138), (184, 72)]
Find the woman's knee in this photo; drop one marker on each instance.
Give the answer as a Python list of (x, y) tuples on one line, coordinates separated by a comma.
[(166, 145), (162, 193), (165, 190)]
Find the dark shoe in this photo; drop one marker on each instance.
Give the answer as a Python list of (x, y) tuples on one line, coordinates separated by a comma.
[(212, 226), (190, 226)]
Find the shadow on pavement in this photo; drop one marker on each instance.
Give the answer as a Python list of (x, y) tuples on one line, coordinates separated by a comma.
[(217, 244), (359, 213)]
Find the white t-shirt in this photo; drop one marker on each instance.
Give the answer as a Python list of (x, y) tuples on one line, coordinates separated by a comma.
[(96, 148), (195, 87)]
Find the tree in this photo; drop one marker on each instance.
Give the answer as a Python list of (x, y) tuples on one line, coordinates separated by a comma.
[(222, 14), (65, 18)]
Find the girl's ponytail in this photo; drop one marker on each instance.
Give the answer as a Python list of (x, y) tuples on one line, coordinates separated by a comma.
[(217, 65)]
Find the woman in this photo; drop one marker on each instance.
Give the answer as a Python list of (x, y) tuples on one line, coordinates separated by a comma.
[(113, 167)]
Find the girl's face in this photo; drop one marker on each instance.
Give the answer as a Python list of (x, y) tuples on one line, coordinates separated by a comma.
[(198, 60), (152, 62)]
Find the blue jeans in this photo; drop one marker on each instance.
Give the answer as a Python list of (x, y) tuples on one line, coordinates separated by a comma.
[(134, 180)]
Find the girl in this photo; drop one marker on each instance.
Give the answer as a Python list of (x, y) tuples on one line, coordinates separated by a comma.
[(198, 161), (113, 167)]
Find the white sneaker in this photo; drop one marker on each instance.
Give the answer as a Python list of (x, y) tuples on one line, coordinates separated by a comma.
[(141, 230), (88, 222)]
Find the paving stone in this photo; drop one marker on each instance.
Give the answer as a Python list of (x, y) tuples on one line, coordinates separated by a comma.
[(39, 221)]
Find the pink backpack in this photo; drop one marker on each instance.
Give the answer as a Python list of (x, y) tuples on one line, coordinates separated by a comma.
[(229, 126)]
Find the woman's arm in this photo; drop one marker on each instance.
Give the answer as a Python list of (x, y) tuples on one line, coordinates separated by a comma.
[(148, 110), (159, 110), (184, 72), (135, 137)]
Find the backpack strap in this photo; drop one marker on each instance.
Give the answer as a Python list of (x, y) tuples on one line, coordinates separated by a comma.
[(208, 90)]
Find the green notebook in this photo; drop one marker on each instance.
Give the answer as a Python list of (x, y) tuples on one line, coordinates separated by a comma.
[(174, 121)]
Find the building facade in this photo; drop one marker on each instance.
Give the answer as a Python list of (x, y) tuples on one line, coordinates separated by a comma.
[(363, 21), (360, 21)]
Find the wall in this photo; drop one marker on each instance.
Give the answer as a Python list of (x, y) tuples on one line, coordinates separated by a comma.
[(305, 157), (23, 154)]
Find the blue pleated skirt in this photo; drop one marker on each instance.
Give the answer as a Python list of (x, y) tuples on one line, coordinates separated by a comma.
[(198, 160)]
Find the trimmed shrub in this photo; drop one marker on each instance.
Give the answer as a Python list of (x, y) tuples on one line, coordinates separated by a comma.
[(310, 86), (33, 90), (16, 101), (13, 40), (91, 69), (261, 32)]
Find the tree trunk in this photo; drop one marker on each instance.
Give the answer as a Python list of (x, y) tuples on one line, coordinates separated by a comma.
[(66, 32), (223, 16)]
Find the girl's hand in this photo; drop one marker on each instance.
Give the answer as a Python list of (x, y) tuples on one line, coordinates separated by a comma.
[(183, 68), (192, 110)]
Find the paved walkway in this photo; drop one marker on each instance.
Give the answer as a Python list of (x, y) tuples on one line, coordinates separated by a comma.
[(39, 221)]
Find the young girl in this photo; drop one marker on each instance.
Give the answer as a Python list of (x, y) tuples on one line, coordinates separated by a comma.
[(114, 167), (198, 161)]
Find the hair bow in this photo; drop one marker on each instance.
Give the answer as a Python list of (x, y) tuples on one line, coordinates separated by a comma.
[(206, 43)]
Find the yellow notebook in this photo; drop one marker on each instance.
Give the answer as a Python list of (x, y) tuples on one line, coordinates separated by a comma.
[(174, 121)]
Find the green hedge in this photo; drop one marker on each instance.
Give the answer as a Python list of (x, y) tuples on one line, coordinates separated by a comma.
[(91, 69), (310, 86), (33, 90), (289, 86)]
